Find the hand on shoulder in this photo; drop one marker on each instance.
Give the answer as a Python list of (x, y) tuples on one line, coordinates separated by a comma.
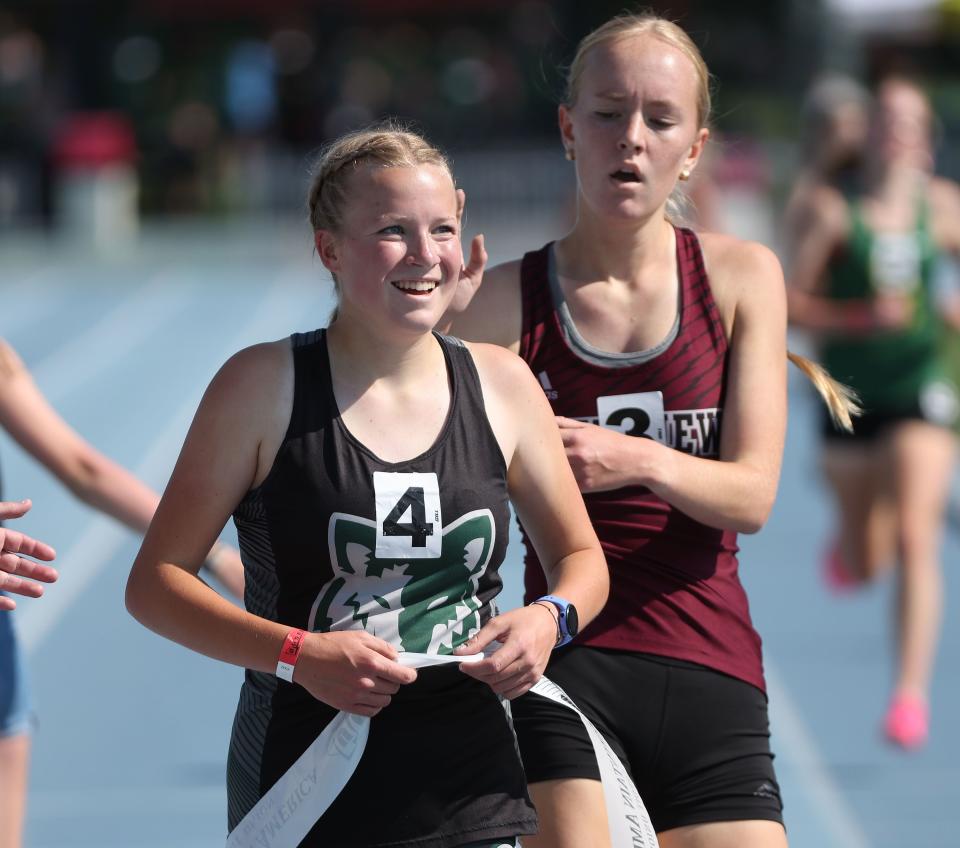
[(493, 314)]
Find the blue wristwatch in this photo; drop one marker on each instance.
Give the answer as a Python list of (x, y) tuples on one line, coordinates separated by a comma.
[(567, 622)]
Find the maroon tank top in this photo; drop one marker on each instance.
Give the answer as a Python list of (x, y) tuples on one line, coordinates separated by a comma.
[(674, 587)]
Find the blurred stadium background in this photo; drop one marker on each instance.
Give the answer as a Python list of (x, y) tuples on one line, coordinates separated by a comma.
[(213, 107)]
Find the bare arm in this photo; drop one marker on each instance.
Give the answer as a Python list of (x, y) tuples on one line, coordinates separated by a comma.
[(818, 224), (950, 311), (548, 503), (231, 444), (737, 492), (96, 480), (492, 312), (819, 229), (90, 476), (945, 206)]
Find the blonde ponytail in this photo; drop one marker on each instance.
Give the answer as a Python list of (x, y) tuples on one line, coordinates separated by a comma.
[(841, 400)]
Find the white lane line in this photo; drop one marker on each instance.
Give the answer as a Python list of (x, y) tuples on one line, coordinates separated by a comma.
[(111, 338), (799, 747), (102, 540)]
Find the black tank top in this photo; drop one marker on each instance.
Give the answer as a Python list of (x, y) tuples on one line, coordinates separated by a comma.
[(335, 539)]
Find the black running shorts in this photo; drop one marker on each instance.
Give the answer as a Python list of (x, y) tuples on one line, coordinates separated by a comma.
[(935, 404), (696, 742)]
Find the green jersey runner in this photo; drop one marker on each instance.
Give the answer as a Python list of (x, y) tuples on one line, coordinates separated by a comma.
[(898, 372)]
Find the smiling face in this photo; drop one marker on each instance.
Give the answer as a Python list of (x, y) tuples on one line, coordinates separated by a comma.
[(396, 254), (634, 125)]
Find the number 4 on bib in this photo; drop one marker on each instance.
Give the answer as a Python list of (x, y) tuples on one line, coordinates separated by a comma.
[(409, 524)]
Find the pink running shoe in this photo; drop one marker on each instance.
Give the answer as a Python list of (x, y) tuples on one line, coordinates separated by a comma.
[(907, 723), (836, 575)]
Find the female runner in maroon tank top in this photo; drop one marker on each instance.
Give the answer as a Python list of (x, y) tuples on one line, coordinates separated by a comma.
[(636, 327)]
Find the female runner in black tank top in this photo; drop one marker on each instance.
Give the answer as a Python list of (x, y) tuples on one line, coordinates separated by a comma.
[(367, 468)]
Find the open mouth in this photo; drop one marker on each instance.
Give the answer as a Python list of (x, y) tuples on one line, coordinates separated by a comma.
[(624, 176), (416, 287)]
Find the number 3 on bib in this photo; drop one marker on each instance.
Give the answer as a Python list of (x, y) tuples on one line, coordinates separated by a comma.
[(409, 524), (637, 414)]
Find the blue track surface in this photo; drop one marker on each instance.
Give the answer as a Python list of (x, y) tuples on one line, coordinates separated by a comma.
[(133, 730)]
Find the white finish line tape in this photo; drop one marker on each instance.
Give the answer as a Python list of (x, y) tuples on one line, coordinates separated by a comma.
[(292, 806), (630, 825)]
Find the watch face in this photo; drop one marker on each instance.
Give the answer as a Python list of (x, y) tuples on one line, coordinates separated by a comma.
[(573, 623)]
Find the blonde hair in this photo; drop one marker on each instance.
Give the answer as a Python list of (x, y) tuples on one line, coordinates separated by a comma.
[(645, 23), (386, 145), (841, 401), (629, 25)]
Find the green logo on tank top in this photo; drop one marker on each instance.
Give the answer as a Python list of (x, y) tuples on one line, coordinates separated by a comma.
[(423, 605)]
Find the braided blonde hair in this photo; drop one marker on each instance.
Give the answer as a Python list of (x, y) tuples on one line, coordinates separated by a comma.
[(387, 145)]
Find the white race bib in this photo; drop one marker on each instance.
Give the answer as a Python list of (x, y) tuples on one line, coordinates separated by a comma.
[(409, 525), (636, 414), (895, 263)]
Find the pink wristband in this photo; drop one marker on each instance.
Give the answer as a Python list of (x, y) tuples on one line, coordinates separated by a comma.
[(289, 654)]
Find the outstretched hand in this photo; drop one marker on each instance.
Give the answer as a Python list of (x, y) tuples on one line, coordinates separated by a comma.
[(527, 635), (17, 573)]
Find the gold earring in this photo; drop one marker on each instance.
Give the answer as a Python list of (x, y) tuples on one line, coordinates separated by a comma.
[(569, 154), (685, 174)]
